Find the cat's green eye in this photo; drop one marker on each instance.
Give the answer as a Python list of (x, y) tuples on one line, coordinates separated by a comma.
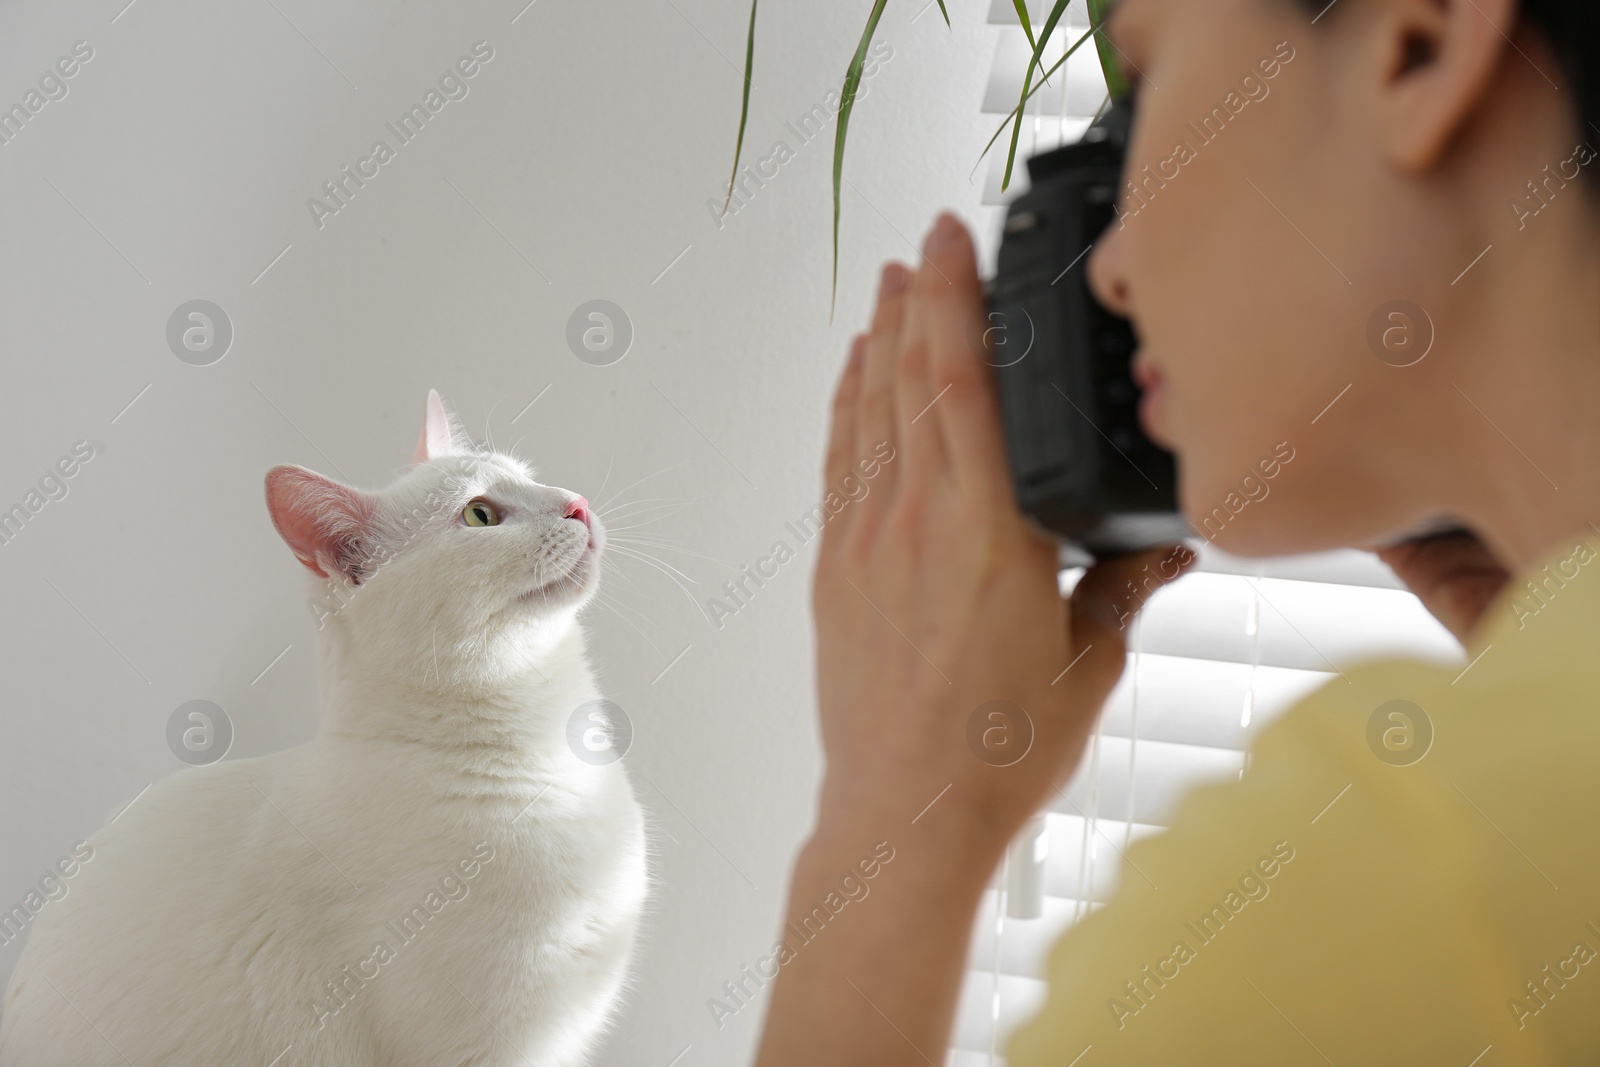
[(480, 513)]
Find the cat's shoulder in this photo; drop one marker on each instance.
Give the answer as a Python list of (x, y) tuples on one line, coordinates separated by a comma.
[(215, 793)]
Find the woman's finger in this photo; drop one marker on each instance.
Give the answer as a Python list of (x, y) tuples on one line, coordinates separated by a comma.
[(842, 427), (875, 409), (1455, 576), (967, 403), (1109, 596), (922, 458)]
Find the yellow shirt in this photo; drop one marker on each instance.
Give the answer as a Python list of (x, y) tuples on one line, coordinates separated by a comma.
[(1368, 894)]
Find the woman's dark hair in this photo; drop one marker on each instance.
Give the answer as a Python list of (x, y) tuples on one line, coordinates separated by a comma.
[(1573, 28)]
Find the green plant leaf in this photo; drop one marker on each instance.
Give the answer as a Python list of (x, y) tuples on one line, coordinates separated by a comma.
[(852, 80), (945, 13), (1027, 29), (1054, 17), (1116, 84), (744, 106), (1099, 11), (1007, 120)]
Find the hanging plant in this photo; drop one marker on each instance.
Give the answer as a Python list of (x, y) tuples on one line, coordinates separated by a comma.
[(1116, 87)]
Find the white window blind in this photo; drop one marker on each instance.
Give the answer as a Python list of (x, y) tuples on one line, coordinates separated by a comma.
[(1212, 659)]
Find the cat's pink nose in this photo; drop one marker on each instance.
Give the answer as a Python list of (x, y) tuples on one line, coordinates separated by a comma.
[(578, 508)]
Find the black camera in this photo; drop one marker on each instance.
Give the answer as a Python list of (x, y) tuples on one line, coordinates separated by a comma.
[(1080, 463)]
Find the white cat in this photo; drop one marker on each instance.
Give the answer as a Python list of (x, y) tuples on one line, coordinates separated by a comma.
[(442, 876)]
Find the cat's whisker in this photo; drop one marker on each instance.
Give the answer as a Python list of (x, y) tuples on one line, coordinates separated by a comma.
[(664, 570), (644, 541), (488, 427), (607, 564), (643, 517), (600, 492), (643, 592), (639, 553), (665, 501), (614, 506), (639, 519), (614, 567), (621, 604), (632, 583), (650, 537), (644, 535), (641, 543), (641, 481), (687, 594), (615, 609), (623, 530)]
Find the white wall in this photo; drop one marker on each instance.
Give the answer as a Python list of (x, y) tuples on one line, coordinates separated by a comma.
[(178, 166)]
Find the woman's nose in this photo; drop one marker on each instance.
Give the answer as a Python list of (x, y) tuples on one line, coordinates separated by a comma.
[(1106, 278)]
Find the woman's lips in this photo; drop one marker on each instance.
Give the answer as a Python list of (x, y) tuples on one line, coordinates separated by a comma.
[(1152, 384), (1145, 375)]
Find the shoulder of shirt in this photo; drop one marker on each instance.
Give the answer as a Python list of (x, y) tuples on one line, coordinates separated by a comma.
[(1533, 657), (1509, 729)]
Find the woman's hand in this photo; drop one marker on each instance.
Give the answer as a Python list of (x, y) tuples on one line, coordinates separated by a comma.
[(956, 689), (946, 658), (1455, 576)]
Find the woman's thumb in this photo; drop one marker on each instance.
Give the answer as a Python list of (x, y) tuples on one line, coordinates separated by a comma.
[(1108, 597)]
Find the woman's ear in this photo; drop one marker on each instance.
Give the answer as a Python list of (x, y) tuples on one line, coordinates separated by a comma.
[(442, 434), (328, 526), (1437, 59)]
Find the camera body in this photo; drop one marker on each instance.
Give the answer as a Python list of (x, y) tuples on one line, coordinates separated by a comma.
[(1080, 463)]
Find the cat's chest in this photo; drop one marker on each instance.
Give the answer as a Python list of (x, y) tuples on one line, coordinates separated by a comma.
[(544, 865), (550, 858), (532, 900)]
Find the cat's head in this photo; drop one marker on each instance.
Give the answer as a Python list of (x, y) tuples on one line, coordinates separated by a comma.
[(463, 553)]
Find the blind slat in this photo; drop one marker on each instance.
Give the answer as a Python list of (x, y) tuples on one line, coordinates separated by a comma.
[(1202, 701), (1161, 777), (1004, 12), (1346, 566), (1077, 89), (1310, 626)]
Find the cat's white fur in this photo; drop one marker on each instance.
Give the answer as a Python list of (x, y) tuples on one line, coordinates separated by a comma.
[(229, 910)]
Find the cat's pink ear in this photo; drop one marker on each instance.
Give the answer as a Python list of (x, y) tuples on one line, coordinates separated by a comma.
[(442, 434), (328, 526)]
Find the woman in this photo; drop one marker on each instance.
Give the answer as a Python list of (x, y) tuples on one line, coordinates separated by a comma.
[(1329, 907)]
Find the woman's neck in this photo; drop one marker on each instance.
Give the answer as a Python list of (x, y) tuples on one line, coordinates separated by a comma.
[(1525, 392)]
